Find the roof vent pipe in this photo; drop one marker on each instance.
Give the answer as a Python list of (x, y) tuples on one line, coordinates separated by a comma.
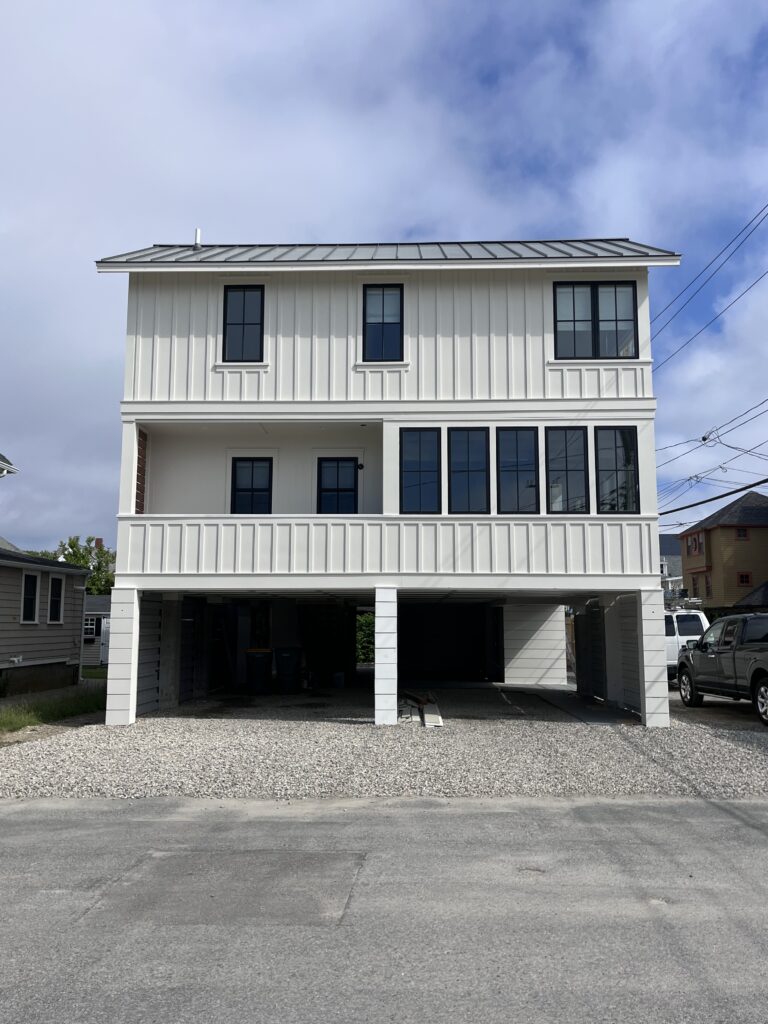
[(198, 244)]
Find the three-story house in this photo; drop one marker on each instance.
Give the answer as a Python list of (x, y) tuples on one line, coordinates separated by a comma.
[(457, 435)]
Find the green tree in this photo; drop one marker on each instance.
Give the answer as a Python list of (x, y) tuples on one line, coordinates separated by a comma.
[(365, 637), (98, 558)]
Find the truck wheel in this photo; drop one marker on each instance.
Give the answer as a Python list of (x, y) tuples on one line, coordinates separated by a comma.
[(760, 699), (689, 695)]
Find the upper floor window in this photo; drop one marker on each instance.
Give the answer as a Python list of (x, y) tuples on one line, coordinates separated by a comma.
[(596, 321), (251, 486), (244, 324), (468, 470), (618, 487), (337, 486), (56, 600), (517, 470), (744, 579), (382, 323), (566, 450), (30, 587), (742, 533), (419, 470)]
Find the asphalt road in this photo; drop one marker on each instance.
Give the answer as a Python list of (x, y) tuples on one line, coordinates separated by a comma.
[(179, 911)]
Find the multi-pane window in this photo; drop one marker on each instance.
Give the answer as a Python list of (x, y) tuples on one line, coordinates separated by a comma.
[(382, 323), (468, 470), (29, 592), (251, 486), (56, 599), (517, 470), (244, 324), (744, 579), (596, 321), (337, 486), (742, 533), (567, 469), (617, 480), (419, 470)]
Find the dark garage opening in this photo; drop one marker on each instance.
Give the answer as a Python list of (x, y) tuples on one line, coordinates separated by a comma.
[(449, 642)]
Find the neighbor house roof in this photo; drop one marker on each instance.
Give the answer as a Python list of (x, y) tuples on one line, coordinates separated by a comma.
[(751, 509), (6, 466), (22, 559), (757, 598), (97, 604), (5, 545), (566, 252)]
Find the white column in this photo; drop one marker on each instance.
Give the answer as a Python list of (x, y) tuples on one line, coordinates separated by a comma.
[(123, 657), (385, 656), (127, 499), (534, 645), (654, 686), (390, 469)]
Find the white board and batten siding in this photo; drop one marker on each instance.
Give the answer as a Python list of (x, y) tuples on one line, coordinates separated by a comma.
[(469, 336)]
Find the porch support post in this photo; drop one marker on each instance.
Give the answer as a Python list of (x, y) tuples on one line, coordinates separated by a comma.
[(385, 656), (123, 657), (654, 686)]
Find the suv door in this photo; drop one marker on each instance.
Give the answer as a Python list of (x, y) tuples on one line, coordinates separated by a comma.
[(725, 660), (706, 672)]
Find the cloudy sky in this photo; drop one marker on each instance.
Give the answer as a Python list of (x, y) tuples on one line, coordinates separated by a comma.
[(305, 120)]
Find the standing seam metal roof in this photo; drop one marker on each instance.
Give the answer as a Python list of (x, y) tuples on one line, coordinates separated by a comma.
[(394, 252)]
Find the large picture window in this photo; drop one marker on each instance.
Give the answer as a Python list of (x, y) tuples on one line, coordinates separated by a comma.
[(618, 488), (468, 477), (30, 590), (419, 470), (244, 324), (251, 486), (566, 451), (596, 321), (382, 323), (517, 470), (337, 486)]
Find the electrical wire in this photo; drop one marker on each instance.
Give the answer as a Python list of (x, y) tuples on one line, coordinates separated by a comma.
[(716, 497)]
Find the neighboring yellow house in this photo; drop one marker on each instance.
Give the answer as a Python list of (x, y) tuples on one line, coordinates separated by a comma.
[(726, 555)]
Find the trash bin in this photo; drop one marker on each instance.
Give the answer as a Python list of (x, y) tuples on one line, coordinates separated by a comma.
[(288, 668), (258, 669)]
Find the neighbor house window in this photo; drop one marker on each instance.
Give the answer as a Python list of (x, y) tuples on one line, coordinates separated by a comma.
[(742, 533), (56, 600), (566, 450), (337, 486), (517, 470), (251, 486), (468, 470), (745, 579), (419, 470), (695, 586), (91, 628), (707, 585), (596, 321), (244, 324), (382, 323), (618, 488), (30, 589)]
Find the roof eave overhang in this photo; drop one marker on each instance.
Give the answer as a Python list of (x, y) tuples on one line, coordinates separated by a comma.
[(60, 567), (381, 266)]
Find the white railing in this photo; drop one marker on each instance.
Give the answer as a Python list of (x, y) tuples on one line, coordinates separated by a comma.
[(179, 545)]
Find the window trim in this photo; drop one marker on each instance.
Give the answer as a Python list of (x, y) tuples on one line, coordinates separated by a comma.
[(36, 620), (337, 458), (56, 576), (739, 574), (233, 480), (383, 362), (241, 362), (587, 489), (499, 510), (487, 432), (421, 430), (598, 510), (594, 285)]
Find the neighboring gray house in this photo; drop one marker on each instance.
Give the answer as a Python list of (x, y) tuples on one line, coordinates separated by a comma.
[(41, 621), (96, 629)]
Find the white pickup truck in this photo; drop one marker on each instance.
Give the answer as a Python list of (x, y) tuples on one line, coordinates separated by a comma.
[(681, 626)]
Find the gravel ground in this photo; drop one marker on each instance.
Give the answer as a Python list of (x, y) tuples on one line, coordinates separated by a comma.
[(311, 747)]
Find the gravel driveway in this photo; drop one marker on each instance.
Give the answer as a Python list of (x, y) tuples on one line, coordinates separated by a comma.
[(311, 746)]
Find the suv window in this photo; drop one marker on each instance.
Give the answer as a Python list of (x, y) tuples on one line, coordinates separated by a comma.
[(729, 633), (712, 637), (669, 625), (756, 631), (689, 625)]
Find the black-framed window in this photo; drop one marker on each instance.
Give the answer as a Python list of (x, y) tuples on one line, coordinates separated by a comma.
[(382, 323), (29, 592), (596, 321), (618, 484), (56, 599), (468, 470), (337, 486), (251, 486), (420, 470), (517, 470), (244, 323), (567, 478)]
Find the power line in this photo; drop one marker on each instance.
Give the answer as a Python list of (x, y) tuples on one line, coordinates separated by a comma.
[(716, 317), (705, 269), (706, 280), (717, 497), (701, 441), (715, 436)]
